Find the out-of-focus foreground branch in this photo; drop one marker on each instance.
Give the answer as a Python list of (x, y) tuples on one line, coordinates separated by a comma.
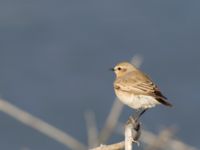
[(40, 126), (91, 129)]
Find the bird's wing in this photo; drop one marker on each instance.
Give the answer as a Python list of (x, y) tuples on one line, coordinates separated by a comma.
[(141, 84)]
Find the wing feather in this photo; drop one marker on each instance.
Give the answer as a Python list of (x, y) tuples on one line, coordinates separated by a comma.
[(140, 84)]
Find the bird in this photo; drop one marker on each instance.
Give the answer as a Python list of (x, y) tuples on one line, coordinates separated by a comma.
[(136, 90)]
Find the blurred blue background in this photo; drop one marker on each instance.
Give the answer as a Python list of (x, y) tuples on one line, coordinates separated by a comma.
[(55, 55)]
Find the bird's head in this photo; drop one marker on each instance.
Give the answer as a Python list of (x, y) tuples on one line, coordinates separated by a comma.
[(123, 68)]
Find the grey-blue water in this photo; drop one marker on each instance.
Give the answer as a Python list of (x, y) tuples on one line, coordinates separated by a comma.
[(55, 55)]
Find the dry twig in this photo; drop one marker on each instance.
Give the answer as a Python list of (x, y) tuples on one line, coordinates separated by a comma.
[(91, 129), (40, 125), (132, 133), (116, 146)]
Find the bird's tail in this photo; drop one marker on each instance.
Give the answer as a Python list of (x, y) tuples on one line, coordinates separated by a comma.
[(164, 102)]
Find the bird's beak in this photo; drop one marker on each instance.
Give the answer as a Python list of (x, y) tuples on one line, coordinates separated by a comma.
[(112, 69)]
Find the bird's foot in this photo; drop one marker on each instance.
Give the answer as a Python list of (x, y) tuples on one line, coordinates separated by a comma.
[(137, 142)]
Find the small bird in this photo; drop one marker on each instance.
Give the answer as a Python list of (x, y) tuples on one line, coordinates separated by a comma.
[(136, 89)]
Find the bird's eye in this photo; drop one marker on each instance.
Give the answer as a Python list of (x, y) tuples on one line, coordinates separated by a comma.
[(119, 68)]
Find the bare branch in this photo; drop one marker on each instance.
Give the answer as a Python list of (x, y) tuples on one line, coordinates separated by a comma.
[(116, 146), (40, 125), (137, 60), (132, 133), (111, 121), (174, 144), (162, 140), (91, 129)]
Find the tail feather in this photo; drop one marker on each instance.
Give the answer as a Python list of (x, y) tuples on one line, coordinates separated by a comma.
[(164, 102), (161, 98)]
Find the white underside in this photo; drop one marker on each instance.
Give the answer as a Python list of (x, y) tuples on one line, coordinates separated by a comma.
[(138, 101)]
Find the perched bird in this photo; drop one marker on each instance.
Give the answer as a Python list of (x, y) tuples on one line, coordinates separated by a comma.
[(136, 89)]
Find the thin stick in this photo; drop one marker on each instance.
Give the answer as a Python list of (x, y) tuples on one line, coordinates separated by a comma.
[(116, 146), (128, 137), (132, 133), (91, 129), (111, 121), (162, 140), (137, 60), (40, 125), (174, 144)]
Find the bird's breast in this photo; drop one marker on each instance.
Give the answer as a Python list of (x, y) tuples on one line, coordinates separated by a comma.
[(136, 101)]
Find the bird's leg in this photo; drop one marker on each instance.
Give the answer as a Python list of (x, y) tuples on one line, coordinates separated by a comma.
[(136, 115), (142, 112), (139, 113)]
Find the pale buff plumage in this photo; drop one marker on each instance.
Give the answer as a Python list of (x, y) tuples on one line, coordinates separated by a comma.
[(136, 89)]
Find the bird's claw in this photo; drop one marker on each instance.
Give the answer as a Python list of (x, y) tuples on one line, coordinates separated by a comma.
[(137, 142)]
